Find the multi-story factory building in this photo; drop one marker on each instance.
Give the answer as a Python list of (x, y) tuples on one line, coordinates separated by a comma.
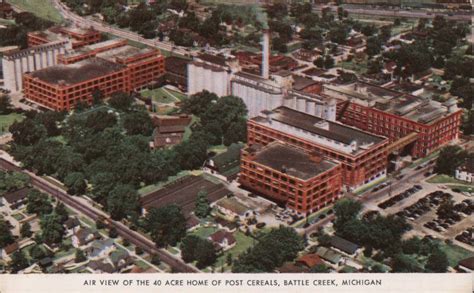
[(426, 125), (110, 67), (291, 176), (79, 37), (363, 155)]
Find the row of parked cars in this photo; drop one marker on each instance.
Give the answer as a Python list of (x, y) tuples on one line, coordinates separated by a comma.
[(399, 197), (466, 237), (4, 91), (424, 205)]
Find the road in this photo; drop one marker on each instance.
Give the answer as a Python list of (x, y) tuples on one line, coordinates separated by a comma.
[(410, 178), (133, 237), (106, 28), (397, 13)]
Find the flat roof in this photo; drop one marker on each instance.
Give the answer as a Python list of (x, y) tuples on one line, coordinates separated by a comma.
[(301, 82), (77, 72), (292, 161), (332, 130), (123, 52)]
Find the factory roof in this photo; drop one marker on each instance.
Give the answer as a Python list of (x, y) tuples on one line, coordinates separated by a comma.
[(414, 108), (300, 82), (325, 128), (123, 52), (207, 66), (290, 160), (77, 72), (215, 59)]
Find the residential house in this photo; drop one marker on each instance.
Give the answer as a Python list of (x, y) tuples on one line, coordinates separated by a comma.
[(344, 245), (222, 240), (121, 259), (72, 225), (15, 199), (100, 248), (291, 268), (310, 260), (169, 131), (466, 265), (232, 207), (465, 172), (84, 236), (8, 250), (329, 255), (99, 266)]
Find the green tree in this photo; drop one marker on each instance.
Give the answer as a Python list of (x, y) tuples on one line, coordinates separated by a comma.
[(25, 230), (61, 211), (195, 248), (437, 261), (138, 122), (229, 260), (18, 262), (345, 210), (320, 268), (155, 259), (6, 237), (373, 46), (52, 229), (123, 202), (75, 183), (121, 101), (27, 132), (166, 225), (198, 104), (79, 256), (402, 263), (5, 105), (37, 252), (449, 158), (38, 203), (202, 208)]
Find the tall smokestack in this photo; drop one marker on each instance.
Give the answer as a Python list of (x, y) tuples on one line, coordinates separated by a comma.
[(266, 54)]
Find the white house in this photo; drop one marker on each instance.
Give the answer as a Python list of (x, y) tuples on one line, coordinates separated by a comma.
[(465, 172)]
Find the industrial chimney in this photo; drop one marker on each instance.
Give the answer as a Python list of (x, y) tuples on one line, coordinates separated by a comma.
[(266, 54)]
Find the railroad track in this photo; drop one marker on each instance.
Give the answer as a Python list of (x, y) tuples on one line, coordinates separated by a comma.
[(133, 237)]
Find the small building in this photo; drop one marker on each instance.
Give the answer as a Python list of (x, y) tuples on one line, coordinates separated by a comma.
[(15, 199), (223, 240), (232, 207), (121, 260), (344, 245), (307, 85), (84, 236), (100, 248), (225, 164), (6, 10), (465, 172), (8, 250), (329, 255), (310, 260), (169, 131), (100, 267), (466, 265), (72, 225)]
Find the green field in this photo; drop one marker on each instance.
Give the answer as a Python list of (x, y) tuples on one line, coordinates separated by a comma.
[(7, 120), (243, 243), (455, 253), (160, 96), (444, 179), (41, 8)]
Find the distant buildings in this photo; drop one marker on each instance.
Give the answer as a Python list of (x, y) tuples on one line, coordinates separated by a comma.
[(109, 67), (79, 37), (300, 180), (169, 131)]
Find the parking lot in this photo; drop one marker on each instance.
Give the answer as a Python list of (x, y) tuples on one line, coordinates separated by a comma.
[(419, 203)]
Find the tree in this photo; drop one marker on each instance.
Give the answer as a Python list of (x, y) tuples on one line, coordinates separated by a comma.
[(319, 62), (437, 261), (377, 268), (274, 248), (27, 132), (61, 211), (446, 209), (324, 240), (138, 122), (345, 210), (18, 262), (25, 230), (198, 104), (113, 232), (6, 237), (373, 46), (328, 62), (402, 263), (123, 202), (449, 158), (138, 250), (52, 229), (166, 225), (5, 105), (237, 132), (229, 260), (320, 268), (79, 256), (155, 259), (75, 183), (199, 249), (121, 101), (37, 252), (38, 203), (202, 208)]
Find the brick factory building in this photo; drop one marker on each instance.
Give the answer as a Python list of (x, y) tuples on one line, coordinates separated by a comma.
[(110, 67), (291, 176), (426, 124), (79, 37), (363, 155)]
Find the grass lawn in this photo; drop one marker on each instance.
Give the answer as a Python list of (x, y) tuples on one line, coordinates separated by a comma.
[(358, 67), (41, 8), (243, 243), (441, 178), (187, 130), (462, 188), (455, 253), (160, 96), (204, 232), (7, 120), (141, 264)]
